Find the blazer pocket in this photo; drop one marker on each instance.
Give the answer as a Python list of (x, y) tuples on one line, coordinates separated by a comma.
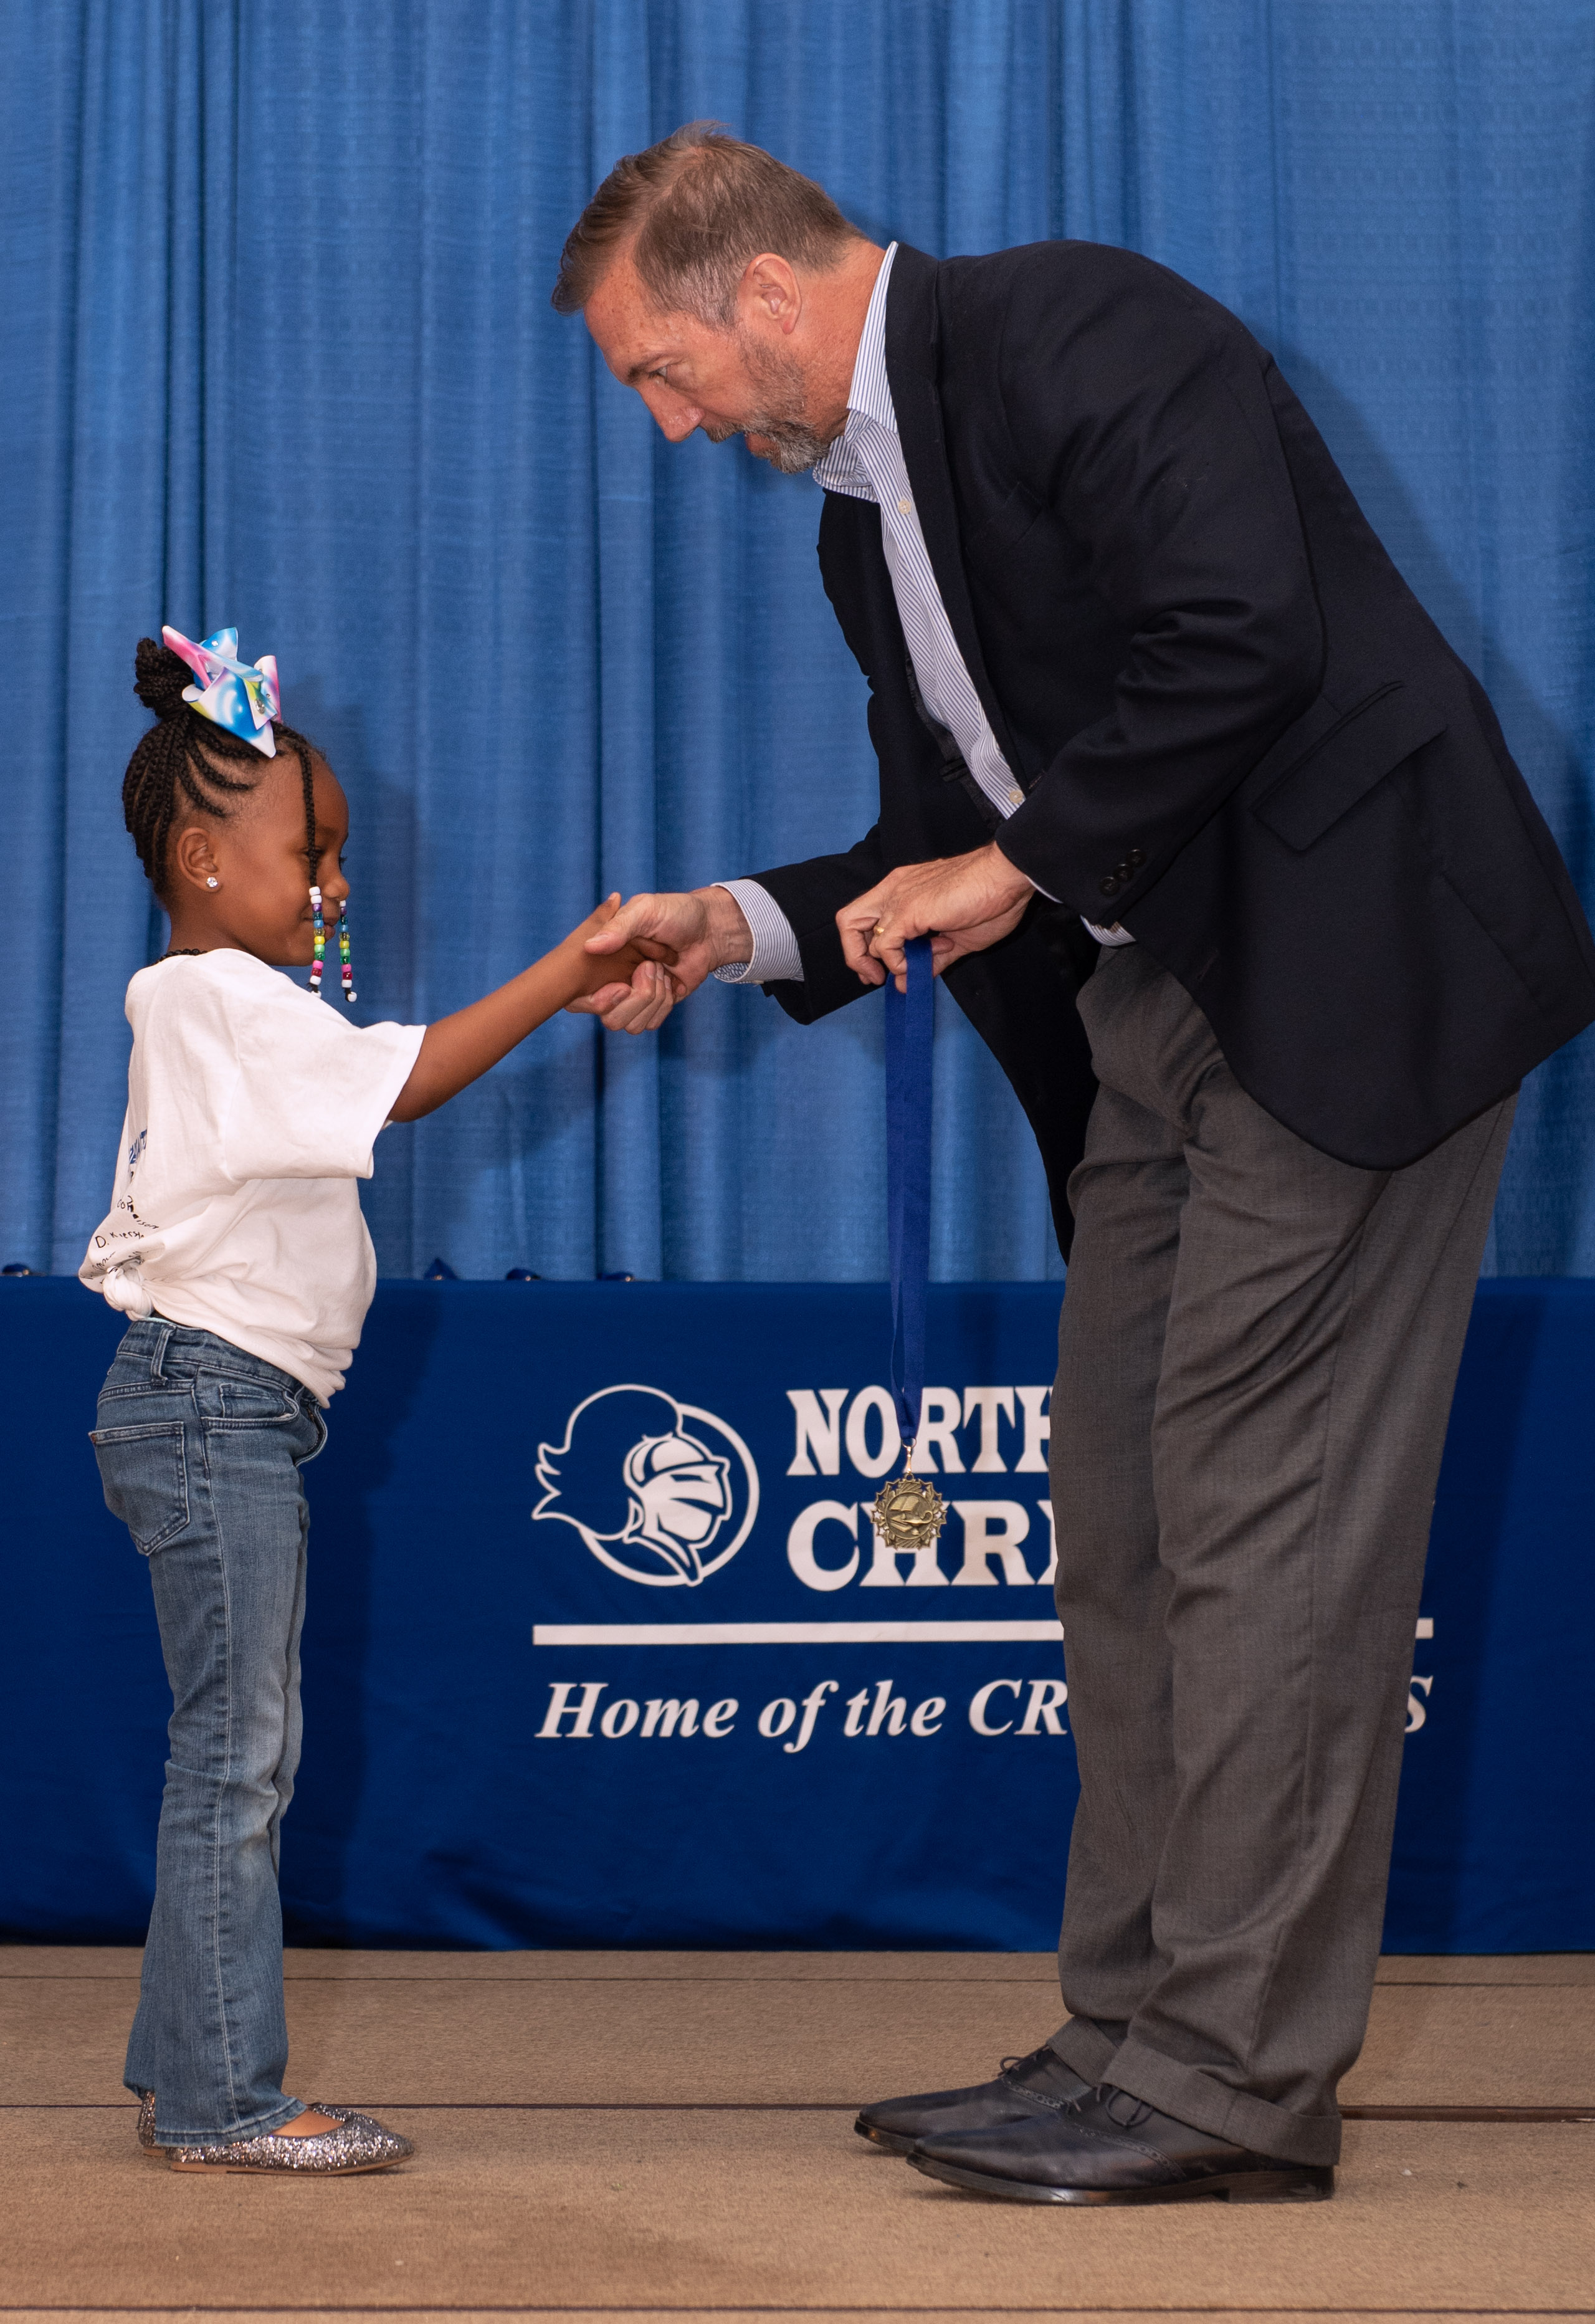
[(1005, 527), (1332, 769)]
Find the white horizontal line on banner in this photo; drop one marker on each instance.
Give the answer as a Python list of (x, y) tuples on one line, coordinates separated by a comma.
[(810, 1634), (794, 1633)]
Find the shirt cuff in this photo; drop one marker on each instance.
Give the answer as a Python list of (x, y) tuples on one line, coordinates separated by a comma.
[(775, 958)]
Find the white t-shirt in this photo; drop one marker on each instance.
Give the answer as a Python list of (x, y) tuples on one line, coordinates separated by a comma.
[(252, 1109)]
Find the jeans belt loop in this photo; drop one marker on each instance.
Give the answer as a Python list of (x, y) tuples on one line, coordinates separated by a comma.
[(162, 1337)]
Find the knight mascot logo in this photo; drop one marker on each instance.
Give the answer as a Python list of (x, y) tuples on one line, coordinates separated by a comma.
[(641, 1479)]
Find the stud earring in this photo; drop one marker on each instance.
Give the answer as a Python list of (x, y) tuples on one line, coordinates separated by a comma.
[(345, 971), (212, 881), (318, 923)]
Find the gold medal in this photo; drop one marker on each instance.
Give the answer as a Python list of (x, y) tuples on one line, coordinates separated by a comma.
[(910, 1514)]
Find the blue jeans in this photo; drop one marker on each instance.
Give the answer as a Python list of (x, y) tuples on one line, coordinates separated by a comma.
[(199, 1448)]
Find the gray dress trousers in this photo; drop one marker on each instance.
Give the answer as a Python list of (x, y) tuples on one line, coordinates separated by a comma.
[(1257, 1355)]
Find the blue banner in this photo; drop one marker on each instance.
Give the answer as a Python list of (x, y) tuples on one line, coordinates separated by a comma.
[(602, 1649)]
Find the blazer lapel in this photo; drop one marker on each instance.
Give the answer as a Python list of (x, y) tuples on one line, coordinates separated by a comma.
[(912, 325)]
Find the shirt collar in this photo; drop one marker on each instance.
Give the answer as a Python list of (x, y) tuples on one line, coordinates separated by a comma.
[(868, 397)]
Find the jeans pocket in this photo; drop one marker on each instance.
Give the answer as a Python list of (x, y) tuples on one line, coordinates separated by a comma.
[(242, 1399), (145, 1479)]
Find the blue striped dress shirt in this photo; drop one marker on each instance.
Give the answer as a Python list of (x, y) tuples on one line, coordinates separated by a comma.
[(866, 461)]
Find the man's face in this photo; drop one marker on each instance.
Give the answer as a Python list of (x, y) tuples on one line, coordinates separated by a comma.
[(747, 380)]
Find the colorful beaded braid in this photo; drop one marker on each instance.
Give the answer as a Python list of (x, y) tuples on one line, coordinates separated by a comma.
[(345, 971), (346, 967)]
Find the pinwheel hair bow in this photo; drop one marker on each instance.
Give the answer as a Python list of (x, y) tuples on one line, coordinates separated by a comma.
[(242, 696)]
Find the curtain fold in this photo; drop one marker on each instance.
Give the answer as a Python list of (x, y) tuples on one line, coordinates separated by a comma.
[(276, 350)]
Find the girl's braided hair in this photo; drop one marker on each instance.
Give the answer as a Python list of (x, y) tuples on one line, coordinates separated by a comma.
[(177, 759)]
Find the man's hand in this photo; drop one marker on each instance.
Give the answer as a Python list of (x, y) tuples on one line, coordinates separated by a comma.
[(637, 953), (705, 930), (962, 902)]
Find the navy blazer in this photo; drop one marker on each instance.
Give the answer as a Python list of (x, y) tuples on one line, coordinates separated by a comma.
[(1237, 731)]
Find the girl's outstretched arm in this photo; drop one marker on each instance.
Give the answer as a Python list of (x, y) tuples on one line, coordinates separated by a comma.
[(458, 1049)]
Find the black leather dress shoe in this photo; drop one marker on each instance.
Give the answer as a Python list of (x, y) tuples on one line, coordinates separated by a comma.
[(1112, 2148), (1026, 2088)]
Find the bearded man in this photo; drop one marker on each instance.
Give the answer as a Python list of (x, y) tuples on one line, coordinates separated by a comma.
[(1186, 788)]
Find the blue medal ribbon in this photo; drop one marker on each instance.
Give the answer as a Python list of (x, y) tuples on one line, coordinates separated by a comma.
[(910, 1019)]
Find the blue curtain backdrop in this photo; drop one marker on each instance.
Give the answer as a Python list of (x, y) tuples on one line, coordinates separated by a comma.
[(276, 350)]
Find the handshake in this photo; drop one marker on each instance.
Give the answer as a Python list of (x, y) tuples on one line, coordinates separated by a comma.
[(659, 948)]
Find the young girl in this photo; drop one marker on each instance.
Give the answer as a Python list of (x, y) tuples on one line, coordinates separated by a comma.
[(235, 1243)]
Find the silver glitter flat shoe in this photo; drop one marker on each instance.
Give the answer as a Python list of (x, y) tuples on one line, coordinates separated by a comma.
[(360, 2142)]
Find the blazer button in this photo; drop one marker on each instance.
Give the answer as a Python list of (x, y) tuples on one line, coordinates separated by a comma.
[(1136, 858), (1109, 885)]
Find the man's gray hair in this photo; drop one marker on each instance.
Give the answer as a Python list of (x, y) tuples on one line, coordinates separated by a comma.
[(695, 209)]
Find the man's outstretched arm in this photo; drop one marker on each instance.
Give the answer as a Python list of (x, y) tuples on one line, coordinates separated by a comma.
[(790, 944)]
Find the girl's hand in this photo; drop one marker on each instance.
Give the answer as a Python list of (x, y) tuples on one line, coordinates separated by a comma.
[(457, 1049), (649, 995), (598, 969), (615, 967), (695, 933)]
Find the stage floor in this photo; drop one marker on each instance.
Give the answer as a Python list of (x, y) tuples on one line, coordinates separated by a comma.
[(669, 2134)]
